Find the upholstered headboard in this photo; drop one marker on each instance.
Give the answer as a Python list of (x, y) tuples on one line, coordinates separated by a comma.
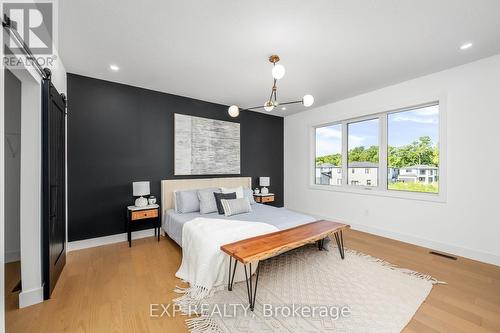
[(168, 187)]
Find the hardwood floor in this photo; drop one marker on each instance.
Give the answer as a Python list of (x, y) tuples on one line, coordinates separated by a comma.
[(110, 289), (12, 278)]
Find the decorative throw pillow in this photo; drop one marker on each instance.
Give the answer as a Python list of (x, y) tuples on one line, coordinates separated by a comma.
[(237, 190), (236, 206), (248, 193), (207, 200), (187, 201), (219, 196)]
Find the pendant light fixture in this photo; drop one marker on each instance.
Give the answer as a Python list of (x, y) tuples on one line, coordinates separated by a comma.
[(278, 72)]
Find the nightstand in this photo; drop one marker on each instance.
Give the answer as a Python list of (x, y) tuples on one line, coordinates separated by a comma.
[(264, 198), (136, 215)]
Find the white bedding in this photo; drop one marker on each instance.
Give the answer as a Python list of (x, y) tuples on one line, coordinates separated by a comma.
[(204, 265), (282, 218)]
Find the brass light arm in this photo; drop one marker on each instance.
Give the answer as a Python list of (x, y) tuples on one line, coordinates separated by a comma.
[(278, 72)]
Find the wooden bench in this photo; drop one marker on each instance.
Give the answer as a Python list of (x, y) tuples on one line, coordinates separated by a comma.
[(269, 245)]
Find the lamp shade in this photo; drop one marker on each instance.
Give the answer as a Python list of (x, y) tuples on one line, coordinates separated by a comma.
[(308, 100), (234, 111), (140, 188), (268, 106), (264, 181), (278, 71)]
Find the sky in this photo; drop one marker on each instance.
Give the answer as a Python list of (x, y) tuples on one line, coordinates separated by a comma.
[(403, 128)]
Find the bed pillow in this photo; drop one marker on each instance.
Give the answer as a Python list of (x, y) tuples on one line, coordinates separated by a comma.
[(248, 193), (186, 201), (237, 190), (219, 196), (207, 200), (235, 206)]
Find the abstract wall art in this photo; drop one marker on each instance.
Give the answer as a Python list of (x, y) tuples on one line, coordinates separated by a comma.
[(206, 146)]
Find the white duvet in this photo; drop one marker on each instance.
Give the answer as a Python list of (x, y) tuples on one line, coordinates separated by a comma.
[(204, 265)]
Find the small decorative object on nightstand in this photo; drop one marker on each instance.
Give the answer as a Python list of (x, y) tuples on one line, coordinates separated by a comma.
[(256, 191), (263, 182), (139, 189), (137, 214), (264, 198)]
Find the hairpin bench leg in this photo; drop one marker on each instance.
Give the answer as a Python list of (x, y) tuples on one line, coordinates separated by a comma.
[(248, 276), (340, 242), (321, 244), (231, 276)]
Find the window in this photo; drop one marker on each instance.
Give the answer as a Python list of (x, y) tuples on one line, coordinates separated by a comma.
[(328, 155), (363, 152), (413, 142), (402, 144)]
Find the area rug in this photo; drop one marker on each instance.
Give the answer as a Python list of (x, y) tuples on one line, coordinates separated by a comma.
[(306, 290)]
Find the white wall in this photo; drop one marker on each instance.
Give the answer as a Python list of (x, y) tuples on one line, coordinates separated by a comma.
[(467, 223), (12, 167)]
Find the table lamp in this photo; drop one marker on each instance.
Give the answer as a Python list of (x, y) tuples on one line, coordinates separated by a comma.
[(264, 181), (139, 189)]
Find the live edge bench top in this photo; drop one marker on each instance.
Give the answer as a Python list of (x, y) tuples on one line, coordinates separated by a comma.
[(269, 245)]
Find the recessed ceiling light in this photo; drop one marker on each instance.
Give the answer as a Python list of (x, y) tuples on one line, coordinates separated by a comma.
[(465, 46), (283, 108), (114, 68)]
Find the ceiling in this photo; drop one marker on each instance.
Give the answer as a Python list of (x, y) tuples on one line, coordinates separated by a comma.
[(217, 50)]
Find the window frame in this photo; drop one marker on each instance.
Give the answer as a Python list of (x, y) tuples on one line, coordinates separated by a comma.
[(345, 148), (343, 174), (381, 188)]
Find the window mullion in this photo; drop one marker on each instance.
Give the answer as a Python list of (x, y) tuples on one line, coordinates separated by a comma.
[(344, 153), (382, 185)]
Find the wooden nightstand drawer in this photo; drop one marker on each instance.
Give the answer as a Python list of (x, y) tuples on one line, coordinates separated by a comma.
[(268, 198), (144, 214), (264, 198)]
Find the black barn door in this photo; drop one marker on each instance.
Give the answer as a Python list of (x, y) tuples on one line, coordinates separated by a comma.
[(53, 185)]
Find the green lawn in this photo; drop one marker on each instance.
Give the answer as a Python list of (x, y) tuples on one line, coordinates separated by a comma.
[(414, 187)]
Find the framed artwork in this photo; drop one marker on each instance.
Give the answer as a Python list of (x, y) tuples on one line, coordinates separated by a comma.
[(205, 146)]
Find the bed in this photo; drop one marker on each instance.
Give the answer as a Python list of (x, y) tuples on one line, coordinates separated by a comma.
[(172, 222)]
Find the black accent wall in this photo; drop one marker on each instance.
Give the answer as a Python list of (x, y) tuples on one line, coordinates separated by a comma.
[(118, 134)]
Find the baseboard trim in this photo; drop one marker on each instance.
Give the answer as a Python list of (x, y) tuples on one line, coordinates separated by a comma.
[(11, 256), (99, 241), (30, 297), (485, 257)]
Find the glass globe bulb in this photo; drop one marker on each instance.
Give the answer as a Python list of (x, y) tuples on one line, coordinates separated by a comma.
[(234, 111), (268, 106), (308, 100), (278, 71)]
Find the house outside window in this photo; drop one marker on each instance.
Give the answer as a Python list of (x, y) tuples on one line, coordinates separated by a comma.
[(407, 154), (363, 151), (328, 164)]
